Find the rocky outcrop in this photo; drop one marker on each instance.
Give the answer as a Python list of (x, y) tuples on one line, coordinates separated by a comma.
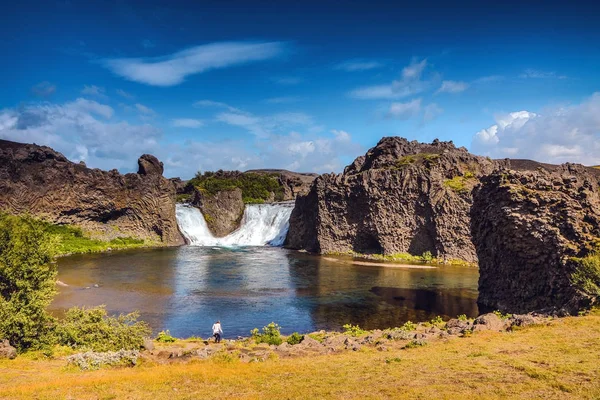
[(7, 351), (42, 182), (400, 197), (222, 211), (529, 228), (294, 184)]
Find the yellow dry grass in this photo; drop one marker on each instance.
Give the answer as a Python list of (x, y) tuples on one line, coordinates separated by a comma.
[(557, 361)]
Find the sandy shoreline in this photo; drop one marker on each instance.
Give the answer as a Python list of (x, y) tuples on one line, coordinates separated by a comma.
[(377, 264)]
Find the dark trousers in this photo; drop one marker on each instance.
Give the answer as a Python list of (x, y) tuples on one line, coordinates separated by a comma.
[(217, 337)]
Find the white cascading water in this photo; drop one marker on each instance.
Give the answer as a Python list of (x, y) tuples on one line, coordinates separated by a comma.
[(262, 224)]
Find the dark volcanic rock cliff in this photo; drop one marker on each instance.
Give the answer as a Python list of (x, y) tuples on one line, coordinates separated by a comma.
[(106, 204), (222, 211), (400, 197), (529, 227)]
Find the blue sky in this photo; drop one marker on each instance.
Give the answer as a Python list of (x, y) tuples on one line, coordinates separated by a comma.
[(305, 86)]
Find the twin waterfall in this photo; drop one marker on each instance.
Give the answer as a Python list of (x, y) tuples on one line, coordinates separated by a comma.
[(262, 224)]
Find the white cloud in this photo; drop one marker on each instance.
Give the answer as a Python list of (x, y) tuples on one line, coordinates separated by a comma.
[(125, 94), (358, 65), (537, 74), (453, 87), (144, 110), (44, 89), (405, 110), (264, 126), (409, 84), (555, 135), (187, 123), (488, 79), (218, 104), (82, 130), (172, 69), (93, 90)]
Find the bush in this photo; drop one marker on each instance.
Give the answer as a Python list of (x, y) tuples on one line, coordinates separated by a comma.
[(462, 317), (27, 282), (353, 330), (92, 361), (587, 275), (165, 337), (408, 326), (271, 334), (93, 329), (295, 338), (437, 321)]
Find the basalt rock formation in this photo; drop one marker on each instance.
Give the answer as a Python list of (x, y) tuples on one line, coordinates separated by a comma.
[(222, 211), (533, 230), (400, 197), (105, 204)]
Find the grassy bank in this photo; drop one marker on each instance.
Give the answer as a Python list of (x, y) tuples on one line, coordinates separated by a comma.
[(72, 240), (555, 361), (425, 258), (255, 187)]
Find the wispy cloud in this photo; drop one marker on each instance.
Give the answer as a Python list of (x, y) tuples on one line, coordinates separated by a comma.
[(409, 84), (187, 123), (44, 89), (358, 65), (405, 110), (172, 69), (537, 74), (488, 79), (93, 90), (431, 112), (218, 104), (284, 100), (144, 110), (148, 44), (452, 87), (125, 94), (287, 80)]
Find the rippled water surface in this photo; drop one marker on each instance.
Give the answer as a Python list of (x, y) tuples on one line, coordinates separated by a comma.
[(185, 289)]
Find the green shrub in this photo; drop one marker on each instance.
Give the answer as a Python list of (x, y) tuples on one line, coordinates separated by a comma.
[(427, 256), (501, 315), (295, 338), (587, 275), (93, 329), (271, 334), (353, 330), (462, 317), (183, 198), (165, 337), (27, 282), (256, 188), (437, 321), (408, 326), (415, 343), (71, 240)]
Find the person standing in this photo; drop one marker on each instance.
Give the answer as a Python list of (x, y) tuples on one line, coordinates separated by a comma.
[(217, 331)]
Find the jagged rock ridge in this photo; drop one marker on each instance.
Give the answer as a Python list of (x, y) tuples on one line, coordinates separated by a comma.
[(106, 204), (400, 197)]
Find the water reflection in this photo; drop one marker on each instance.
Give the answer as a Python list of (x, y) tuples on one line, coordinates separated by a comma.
[(187, 288)]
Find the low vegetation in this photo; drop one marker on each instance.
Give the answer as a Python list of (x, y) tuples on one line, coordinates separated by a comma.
[(93, 329), (461, 184), (256, 188), (425, 258), (425, 159), (587, 276), (294, 338), (353, 330), (165, 337), (72, 240), (271, 334)]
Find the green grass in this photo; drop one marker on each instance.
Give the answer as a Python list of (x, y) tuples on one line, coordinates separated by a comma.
[(72, 240), (425, 258), (458, 184), (256, 188), (587, 275), (426, 159)]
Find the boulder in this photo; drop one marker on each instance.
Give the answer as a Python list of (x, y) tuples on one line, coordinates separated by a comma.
[(489, 322), (7, 351), (148, 344)]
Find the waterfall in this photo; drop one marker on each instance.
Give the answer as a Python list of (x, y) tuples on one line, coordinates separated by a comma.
[(262, 224)]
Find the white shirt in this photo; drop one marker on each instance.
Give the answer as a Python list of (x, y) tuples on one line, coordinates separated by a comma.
[(217, 328)]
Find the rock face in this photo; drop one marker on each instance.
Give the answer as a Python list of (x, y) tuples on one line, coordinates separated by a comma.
[(40, 181), (528, 226), (294, 184), (7, 351), (400, 197), (222, 211)]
